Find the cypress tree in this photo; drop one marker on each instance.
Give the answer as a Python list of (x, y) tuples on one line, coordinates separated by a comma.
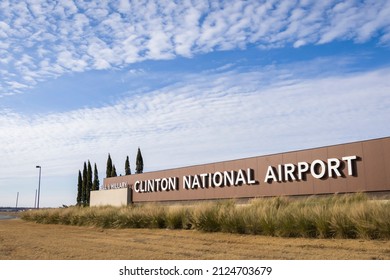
[(139, 162), (95, 185), (113, 173), (89, 183), (127, 166), (79, 189), (84, 187), (109, 167)]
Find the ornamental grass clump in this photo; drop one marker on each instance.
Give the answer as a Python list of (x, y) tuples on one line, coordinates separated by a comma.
[(87, 217), (155, 215), (231, 217), (301, 219), (341, 222), (372, 220), (262, 215), (130, 217), (177, 217), (337, 216), (321, 217), (252, 221), (382, 220), (204, 217), (104, 217), (364, 218)]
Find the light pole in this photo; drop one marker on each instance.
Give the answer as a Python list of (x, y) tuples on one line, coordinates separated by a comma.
[(35, 201), (17, 199), (39, 184)]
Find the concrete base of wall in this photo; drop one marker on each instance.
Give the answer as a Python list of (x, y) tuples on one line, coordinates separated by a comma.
[(116, 197)]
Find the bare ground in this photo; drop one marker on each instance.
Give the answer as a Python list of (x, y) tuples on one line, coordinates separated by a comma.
[(20, 240)]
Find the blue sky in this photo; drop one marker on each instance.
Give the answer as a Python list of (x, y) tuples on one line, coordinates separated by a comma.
[(188, 83)]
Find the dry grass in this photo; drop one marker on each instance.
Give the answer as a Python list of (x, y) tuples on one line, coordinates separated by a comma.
[(338, 216), (21, 240)]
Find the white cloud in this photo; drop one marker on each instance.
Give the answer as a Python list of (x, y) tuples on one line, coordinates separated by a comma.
[(66, 60), (210, 116), (124, 6), (4, 29), (133, 31), (16, 85), (299, 43)]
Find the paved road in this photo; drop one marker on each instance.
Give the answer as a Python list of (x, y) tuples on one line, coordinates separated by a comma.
[(6, 217)]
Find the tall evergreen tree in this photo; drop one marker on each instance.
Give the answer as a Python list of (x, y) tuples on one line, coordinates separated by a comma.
[(84, 186), (79, 189), (89, 183), (127, 166), (139, 168), (95, 185), (109, 167), (113, 172)]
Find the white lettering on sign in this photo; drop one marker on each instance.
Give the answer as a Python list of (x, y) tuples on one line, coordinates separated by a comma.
[(219, 179), (349, 162), (156, 185), (288, 172), (303, 167), (333, 167), (113, 186)]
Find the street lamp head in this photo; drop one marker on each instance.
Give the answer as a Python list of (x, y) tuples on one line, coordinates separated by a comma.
[(37, 166)]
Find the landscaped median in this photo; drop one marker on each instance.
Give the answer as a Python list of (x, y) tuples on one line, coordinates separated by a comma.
[(337, 216)]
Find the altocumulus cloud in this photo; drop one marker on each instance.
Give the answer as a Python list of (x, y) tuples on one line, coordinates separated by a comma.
[(40, 40), (238, 110)]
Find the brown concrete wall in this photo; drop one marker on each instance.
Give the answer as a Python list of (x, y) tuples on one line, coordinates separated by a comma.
[(371, 173)]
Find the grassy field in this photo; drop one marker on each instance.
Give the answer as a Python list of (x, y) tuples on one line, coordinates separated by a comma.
[(338, 216), (337, 227), (21, 240)]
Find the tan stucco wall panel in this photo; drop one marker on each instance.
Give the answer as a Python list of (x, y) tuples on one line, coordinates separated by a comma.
[(115, 197)]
